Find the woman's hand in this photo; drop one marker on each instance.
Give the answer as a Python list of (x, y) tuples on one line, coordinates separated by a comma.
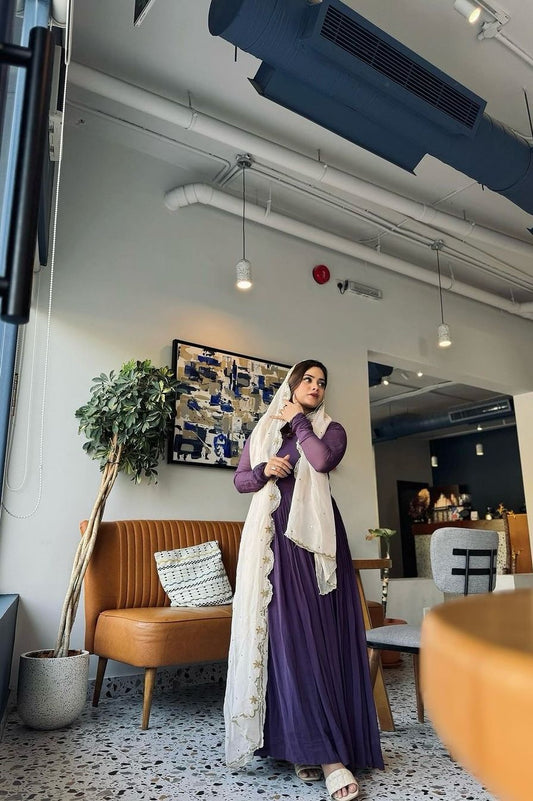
[(278, 467), (288, 411)]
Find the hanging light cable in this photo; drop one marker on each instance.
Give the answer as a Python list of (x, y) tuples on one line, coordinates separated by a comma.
[(443, 331), (243, 268)]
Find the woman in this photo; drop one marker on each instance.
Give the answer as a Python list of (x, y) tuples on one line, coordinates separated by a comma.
[(297, 617)]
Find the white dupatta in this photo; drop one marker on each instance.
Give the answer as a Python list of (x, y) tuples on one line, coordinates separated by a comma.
[(311, 525)]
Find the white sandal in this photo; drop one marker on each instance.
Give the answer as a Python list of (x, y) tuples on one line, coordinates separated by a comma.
[(342, 777), (315, 770)]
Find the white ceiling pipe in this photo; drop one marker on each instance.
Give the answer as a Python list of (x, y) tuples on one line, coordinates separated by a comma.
[(59, 11), (283, 157), (516, 49), (526, 309), (202, 193), (411, 394)]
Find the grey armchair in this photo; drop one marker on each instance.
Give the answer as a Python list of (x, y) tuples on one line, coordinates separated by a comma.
[(463, 561)]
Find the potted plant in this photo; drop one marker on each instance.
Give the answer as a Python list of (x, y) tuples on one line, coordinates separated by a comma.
[(384, 535), (126, 423)]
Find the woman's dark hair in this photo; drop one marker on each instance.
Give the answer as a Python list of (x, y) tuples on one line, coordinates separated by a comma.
[(300, 369)]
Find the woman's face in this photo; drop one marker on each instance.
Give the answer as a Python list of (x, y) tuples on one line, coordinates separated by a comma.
[(310, 391)]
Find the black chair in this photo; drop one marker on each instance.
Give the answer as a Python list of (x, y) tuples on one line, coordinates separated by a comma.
[(463, 561)]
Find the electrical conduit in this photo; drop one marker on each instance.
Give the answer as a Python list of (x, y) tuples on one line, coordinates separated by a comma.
[(192, 194), (141, 100)]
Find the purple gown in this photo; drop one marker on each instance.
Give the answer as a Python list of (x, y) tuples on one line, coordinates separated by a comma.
[(319, 703)]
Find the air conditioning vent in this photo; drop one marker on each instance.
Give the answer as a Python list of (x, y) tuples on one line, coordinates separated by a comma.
[(488, 409), (352, 37)]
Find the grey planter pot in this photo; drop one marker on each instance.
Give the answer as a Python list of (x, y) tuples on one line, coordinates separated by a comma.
[(52, 693)]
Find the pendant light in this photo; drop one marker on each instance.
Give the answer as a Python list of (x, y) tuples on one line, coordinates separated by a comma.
[(443, 331), (243, 268)]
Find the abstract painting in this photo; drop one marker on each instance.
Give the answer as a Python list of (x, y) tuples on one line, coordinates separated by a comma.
[(220, 398)]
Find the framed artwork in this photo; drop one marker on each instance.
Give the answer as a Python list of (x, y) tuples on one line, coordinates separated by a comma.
[(220, 398)]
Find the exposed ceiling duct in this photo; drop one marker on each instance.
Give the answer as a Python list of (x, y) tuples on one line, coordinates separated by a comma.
[(329, 64), (405, 425)]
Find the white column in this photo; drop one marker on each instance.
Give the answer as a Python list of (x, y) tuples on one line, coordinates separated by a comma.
[(523, 405)]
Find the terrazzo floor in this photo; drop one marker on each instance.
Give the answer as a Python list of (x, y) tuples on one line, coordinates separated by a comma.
[(105, 755)]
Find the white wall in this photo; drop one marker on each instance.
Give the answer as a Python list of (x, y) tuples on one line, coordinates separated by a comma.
[(131, 276)]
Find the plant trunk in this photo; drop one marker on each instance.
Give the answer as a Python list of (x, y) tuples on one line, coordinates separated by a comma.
[(85, 549)]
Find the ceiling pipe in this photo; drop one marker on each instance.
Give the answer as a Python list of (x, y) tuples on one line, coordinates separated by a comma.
[(191, 194), (317, 171), (59, 11), (402, 396)]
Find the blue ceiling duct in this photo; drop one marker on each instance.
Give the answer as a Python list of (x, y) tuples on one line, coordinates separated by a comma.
[(405, 425), (329, 64)]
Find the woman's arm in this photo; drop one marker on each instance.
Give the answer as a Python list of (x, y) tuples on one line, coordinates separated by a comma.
[(247, 479), (322, 454)]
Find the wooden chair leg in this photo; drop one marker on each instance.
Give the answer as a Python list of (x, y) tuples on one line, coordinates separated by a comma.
[(373, 655), (149, 684), (381, 698), (419, 701), (102, 664)]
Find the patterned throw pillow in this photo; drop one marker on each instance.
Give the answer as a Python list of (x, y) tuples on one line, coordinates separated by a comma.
[(194, 576)]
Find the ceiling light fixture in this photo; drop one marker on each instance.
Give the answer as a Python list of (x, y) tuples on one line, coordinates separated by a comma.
[(468, 9), (419, 373), (479, 449), (385, 381), (492, 18), (493, 10), (243, 268), (481, 10), (443, 331)]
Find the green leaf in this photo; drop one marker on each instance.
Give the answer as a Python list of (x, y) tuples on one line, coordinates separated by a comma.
[(134, 404)]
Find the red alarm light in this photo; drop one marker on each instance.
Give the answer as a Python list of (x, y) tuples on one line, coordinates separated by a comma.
[(321, 274)]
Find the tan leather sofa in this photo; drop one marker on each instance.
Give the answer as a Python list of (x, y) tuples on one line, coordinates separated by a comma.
[(128, 616)]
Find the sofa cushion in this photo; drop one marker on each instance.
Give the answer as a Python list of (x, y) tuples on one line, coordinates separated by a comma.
[(194, 576), (156, 636)]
